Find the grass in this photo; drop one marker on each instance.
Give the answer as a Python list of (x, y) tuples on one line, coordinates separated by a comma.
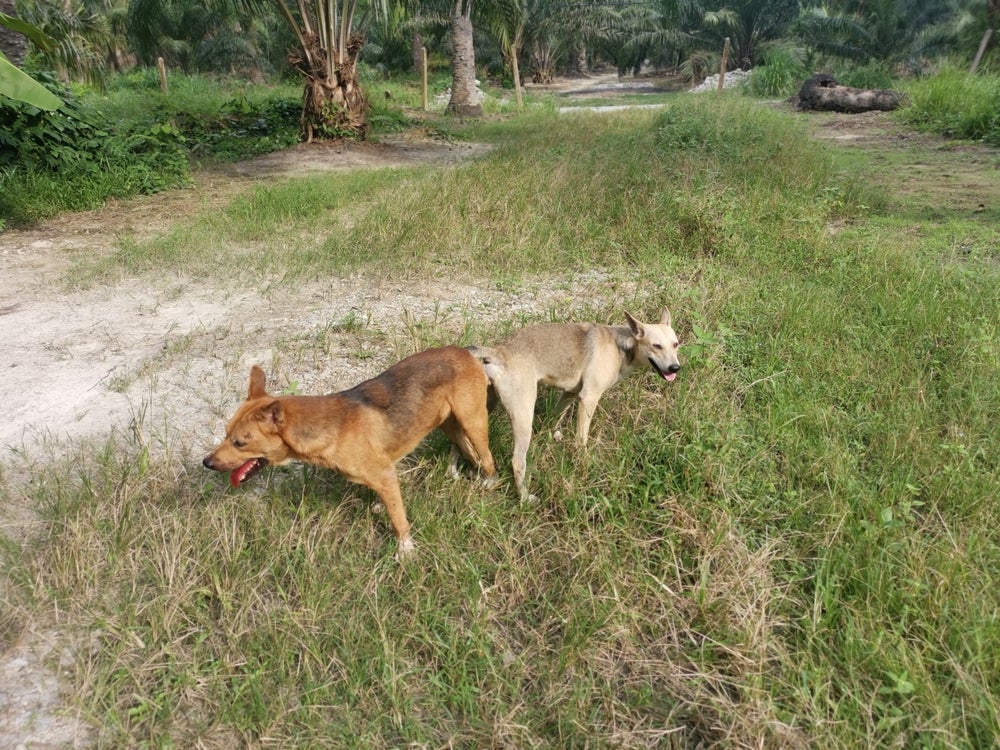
[(794, 545), (956, 104)]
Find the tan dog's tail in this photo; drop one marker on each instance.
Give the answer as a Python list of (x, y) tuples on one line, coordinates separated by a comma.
[(492, 361), (493, 366)]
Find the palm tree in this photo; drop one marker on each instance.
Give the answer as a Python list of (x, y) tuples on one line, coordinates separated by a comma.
[(464, 96), (507, 24), (866, 30), (81, 35), (690, 30)]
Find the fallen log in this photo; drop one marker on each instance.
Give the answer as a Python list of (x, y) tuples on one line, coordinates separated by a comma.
[(821, 92)]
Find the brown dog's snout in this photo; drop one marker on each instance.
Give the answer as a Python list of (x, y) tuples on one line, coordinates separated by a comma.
[(209, 462)]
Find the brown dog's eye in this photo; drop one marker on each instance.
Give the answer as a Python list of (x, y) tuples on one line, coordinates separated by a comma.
[(239, 444)]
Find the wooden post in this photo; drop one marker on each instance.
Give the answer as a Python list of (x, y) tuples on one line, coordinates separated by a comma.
[(423, 77), (982, 49), (517, 81), (722, 68), (163, 74)]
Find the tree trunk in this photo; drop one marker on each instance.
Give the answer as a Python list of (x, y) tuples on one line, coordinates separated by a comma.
[(464, 100), (332, 106), (12, 43), (417, 50), (823, 93)]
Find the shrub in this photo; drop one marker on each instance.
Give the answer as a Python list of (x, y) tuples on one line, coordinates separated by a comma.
[(780, 75), (956, 104), (871, 76), (70, 159)]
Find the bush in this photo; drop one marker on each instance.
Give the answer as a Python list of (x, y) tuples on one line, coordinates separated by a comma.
[(70, 159), (871, 76), (956, 104), (780, 75)]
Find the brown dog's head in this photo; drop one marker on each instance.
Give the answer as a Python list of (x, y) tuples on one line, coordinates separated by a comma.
[(253, 435), (658, 344)]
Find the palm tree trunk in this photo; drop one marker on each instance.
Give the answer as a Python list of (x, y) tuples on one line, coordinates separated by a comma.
[(334, 105), (464, 100)]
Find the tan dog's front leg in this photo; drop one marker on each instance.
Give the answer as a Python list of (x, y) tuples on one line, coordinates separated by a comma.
[(386, 485), (584, 415)]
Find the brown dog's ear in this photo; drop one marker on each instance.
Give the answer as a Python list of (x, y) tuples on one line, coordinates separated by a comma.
[(258, 382), (270, 414), (665, 317), (635, 325)]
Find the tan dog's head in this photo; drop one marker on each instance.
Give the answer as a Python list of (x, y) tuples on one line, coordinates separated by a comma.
[(253, 435), (657, 343)]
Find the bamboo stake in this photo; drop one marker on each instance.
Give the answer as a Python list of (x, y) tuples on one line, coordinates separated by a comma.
[(423, 77), (517, 81), (163, 74)]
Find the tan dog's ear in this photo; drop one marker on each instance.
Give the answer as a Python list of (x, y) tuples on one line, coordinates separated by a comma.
[(270, 415), (635, 325), (665, 317), (258, 382)]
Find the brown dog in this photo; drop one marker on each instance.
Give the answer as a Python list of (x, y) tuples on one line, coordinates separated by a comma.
[(362, 432)]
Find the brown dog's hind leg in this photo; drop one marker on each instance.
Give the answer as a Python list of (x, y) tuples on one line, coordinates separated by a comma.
[(472, 443), (385, 483)]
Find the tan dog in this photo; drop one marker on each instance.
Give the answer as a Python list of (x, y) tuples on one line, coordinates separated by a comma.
[(362, 432), (582, 359)]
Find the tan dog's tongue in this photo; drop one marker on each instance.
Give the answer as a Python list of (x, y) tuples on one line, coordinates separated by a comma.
[(238, 475)]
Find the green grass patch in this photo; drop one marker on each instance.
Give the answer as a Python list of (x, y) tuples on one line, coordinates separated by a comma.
[(717, 177), (956, 104)]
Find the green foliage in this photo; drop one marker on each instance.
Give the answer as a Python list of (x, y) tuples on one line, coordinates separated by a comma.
[(956, 104), (132, 139), (70, 158), (781, 74), (875, 75), (220, 120)]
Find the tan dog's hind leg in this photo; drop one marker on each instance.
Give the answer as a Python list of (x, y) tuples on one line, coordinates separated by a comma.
[(521, 408), (562, 409), (385, 483)]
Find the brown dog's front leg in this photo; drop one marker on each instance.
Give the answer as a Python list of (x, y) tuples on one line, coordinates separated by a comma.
[(386, 485)]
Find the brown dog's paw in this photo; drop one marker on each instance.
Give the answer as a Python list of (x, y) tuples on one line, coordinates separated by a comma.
[(407, 549)]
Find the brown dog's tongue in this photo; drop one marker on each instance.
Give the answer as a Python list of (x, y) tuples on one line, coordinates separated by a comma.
[(238, 475)]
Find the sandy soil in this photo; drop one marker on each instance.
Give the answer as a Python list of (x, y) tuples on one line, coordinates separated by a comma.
[(167, 351)]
